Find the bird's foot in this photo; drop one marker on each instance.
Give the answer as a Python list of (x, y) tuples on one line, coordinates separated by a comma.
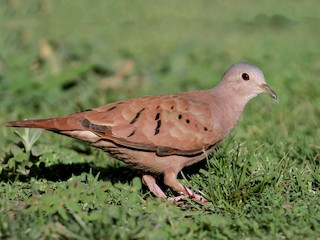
[(188, 194)]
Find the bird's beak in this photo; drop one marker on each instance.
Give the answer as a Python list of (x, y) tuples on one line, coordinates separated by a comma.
[(269, 91)]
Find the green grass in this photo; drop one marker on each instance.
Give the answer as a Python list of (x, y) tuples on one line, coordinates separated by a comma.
[(58, 57)]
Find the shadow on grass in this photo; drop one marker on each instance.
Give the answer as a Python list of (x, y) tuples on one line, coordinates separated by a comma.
[(62, 172)]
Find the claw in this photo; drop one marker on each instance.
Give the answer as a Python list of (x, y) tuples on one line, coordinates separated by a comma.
[(190, 194), (194, 196)]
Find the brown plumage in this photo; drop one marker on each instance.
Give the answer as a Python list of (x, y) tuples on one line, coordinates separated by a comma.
[(164, 133)]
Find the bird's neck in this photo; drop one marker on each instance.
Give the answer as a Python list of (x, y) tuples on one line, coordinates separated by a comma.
[(231, 105)]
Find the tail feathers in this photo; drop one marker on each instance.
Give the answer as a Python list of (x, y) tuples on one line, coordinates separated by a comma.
[(41, 123), (67, 123)]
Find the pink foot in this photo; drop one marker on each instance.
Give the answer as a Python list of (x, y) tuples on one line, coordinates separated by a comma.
[(187, 193), (190, 194), (195, 196), (176, 199)]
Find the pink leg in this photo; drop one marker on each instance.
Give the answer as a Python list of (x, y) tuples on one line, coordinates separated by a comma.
[(153, 186)]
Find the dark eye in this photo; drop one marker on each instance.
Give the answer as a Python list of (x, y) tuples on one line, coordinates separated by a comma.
[(245, 76)]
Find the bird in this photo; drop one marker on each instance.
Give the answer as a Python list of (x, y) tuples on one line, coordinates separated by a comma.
[(162, 134)]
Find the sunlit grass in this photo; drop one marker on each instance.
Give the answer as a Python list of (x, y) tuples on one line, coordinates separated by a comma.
[(60, 57)]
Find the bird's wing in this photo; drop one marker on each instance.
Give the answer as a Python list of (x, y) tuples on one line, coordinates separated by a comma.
[(167, 124)]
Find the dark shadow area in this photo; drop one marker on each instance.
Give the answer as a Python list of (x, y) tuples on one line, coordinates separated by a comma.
[(62, 172), (195, 168)]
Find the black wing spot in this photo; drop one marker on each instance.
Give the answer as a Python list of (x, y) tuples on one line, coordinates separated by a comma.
[(132, 133), (157, 130), (157, 116), (187, 121), (137, 116), (205, 128), (110, 109), (172, 107), (180, 116)]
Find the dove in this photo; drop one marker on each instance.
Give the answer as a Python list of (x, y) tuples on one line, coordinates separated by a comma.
[(162, 134)]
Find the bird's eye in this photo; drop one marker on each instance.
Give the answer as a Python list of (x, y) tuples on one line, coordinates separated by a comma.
[(245, 76)]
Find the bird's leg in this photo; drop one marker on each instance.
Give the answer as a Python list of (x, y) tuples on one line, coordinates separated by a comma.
[(170, 179), (153, 186)]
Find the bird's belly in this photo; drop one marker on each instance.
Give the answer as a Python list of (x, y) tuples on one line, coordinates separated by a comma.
[(150, 161)]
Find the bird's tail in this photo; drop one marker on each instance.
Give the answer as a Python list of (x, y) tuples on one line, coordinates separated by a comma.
[(71, 125), (67, 123), (40, 123)]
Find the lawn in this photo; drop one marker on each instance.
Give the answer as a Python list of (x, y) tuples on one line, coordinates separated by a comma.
[(59, 57)]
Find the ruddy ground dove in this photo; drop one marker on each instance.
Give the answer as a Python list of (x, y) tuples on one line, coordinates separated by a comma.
[(162, 134)]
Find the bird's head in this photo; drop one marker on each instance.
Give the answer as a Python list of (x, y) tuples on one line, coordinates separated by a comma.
[(246, 80)]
